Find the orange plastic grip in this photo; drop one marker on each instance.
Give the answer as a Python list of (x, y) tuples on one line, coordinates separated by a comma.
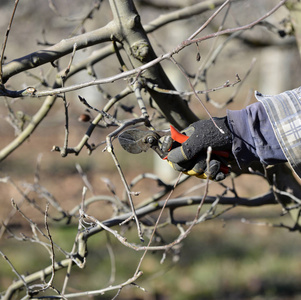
[(177, 135)]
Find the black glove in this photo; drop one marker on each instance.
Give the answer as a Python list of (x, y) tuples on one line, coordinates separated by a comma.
[(190, 157), (198, 167)]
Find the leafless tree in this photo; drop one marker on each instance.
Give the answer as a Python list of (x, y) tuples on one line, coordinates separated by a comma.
[(129, 67)]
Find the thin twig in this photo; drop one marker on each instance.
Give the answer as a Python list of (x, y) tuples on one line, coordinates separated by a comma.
[(137, 91), (52, 256), (296, 227), (156, 225), (88, 16), (5, 40), (129, 193), (196, 95), (229, 30), (183, 94), (35, 229), (103, 291), (37, 288), (208, 21), (109, 148), (64, 150), (21, 279), (84, 141), (67, 70), (84, 177), (112, 260), (214, 51), (243, 79)]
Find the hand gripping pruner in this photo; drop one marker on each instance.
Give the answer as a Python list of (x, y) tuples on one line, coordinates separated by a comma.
[(136, 141)]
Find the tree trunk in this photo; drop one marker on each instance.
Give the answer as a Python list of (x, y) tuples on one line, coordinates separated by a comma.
[(139, 50), (294, 7)]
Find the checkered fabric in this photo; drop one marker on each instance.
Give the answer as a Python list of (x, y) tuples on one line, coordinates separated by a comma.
[(284, 112)]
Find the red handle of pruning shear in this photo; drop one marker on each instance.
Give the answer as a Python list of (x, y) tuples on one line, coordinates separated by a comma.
[(177, 135), (181, 138)]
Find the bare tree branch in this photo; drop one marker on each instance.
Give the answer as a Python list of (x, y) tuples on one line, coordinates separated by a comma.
[(57, 51)]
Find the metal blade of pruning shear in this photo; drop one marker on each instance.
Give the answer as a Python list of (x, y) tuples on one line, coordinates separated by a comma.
[(136, 141)]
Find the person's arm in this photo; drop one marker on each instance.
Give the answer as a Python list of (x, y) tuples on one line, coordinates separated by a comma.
[(284, 113), (253, 136), (247, 134)]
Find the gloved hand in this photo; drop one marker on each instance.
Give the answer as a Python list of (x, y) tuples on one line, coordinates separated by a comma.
[(198, 167), (190, 157)]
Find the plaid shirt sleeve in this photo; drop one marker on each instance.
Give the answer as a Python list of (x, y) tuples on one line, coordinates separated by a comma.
[(284, 113)]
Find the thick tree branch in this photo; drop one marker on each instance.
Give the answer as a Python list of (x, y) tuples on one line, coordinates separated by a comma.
[(57, 51), (24, 63), (266, 199), (34, 122)]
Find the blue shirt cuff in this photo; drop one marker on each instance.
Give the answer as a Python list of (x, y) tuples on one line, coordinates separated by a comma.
[(253, 136)]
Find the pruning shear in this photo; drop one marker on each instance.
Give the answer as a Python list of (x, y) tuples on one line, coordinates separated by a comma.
[(136, 141)]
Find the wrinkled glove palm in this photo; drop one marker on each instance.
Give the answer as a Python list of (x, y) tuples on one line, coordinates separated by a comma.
[(190, 157)]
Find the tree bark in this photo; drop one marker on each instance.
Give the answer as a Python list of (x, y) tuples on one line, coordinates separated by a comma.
[(294, 7), (130, 33)]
